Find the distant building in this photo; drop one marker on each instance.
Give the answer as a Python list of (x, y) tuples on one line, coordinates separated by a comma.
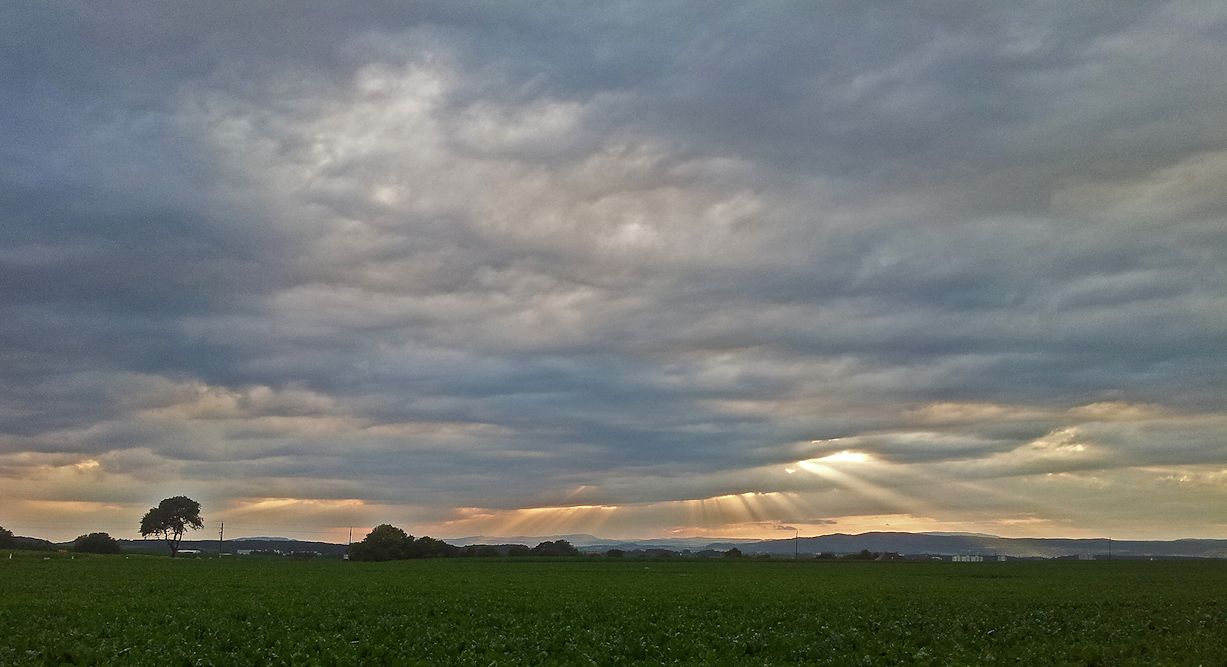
[(968, 558)]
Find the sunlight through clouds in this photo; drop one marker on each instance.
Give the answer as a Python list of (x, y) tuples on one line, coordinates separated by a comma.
[(640, 271)]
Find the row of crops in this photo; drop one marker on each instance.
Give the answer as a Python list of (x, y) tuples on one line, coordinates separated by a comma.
[(150, 610)]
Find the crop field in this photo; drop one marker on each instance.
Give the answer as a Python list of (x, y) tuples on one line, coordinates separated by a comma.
[(151, 610)]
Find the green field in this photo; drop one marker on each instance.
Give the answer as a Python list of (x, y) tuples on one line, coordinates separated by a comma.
[(152, 610)]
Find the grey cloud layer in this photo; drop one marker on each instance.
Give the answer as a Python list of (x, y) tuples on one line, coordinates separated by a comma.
[(645, 250)]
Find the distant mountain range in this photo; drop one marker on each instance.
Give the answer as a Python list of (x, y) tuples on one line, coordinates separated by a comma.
[(974, 544), (937, 544)]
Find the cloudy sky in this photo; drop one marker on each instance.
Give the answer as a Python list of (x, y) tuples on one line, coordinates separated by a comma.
[(632, 269)]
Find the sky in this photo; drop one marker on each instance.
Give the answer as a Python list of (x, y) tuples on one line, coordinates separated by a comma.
[(633, 269)]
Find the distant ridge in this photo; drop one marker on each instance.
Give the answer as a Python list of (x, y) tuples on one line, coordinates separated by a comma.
[(1022, 547), (932, 543)]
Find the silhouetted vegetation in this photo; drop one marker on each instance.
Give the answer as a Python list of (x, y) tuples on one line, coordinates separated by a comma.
[(555, 548), (384, 542), (96, 543), (10, 541), (170, 519), (480, 551), (387, 542)]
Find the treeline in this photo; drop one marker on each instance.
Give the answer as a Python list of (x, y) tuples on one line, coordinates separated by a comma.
[(94, 543), (10, 541), (387, 542)]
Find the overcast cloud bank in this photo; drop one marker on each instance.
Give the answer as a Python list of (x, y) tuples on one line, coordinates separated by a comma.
[(630, 270)]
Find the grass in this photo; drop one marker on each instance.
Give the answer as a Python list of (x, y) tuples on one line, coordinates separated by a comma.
[(153, 610)]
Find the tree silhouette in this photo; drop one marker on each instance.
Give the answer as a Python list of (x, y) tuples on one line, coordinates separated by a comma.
[(555, 548), (384, 542), (170, 519), (96, 543)]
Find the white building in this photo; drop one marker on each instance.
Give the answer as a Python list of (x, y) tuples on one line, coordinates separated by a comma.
[(967, 559)]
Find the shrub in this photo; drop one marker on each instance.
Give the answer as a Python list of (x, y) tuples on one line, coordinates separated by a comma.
[(96, 543)]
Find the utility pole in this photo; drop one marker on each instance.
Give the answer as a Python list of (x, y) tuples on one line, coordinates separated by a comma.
[(796, 544), (1109, 548), (221, 537), (351, 536)]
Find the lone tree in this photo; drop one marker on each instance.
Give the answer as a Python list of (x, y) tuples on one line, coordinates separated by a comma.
[(96, 543), (6, 536), (170, 519)]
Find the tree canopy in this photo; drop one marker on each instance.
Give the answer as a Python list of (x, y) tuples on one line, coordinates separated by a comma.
[(170, 519), (384, 542), (96, 543), (6, 536), (387, 542), (555, 548)]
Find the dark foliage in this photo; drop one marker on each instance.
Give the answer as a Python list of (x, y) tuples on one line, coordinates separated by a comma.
[(555, 548), (428, 547), (170, 519), (96, 543), (387, 542), (10, 541), (384, 542)]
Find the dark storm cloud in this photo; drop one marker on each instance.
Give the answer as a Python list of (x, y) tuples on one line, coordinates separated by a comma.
[(513, 250)]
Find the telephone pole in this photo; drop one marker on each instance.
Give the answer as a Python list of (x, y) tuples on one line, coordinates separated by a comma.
[(221, 537)]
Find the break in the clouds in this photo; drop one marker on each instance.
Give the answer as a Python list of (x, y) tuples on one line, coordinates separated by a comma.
[(628, 269)]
